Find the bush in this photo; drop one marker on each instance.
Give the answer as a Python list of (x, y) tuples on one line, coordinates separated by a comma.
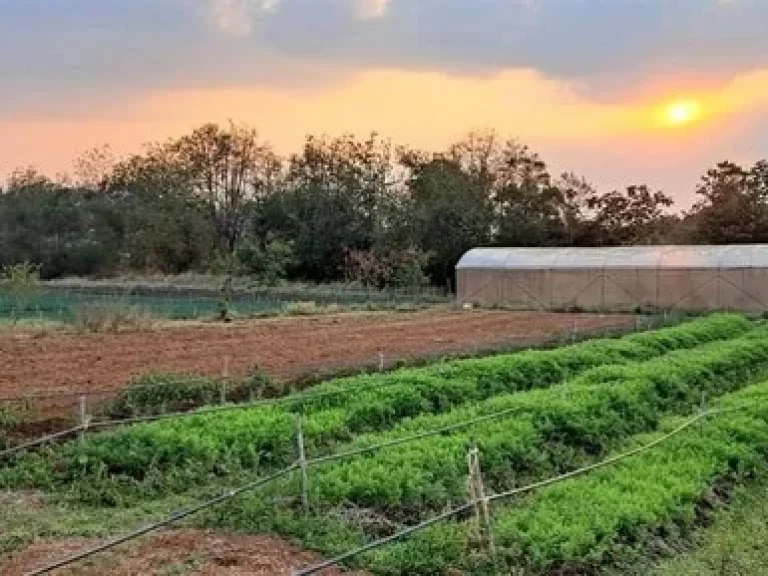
[(99, 318), (165, 393), (8, 420), (308, 308), (21, 282)]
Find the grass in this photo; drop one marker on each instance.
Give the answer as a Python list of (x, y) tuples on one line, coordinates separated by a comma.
[(734, 544), (28, 517)]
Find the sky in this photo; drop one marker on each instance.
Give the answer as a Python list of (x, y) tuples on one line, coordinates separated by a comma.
[(620, 91)]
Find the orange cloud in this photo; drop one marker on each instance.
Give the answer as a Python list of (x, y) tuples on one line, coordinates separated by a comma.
[(422, 109)]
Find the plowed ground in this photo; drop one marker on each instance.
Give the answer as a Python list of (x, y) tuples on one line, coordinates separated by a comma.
[(285, 347)]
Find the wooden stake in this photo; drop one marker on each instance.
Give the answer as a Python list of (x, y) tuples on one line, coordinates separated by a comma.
[(477, 494), (224, 376), (83, 417), (303, 465)]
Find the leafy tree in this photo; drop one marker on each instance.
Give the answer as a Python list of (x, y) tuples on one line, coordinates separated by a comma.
[(167, 227), (452, 213), (66, 230), (268, 262), (631, 217), (733, 205), (94, 168)]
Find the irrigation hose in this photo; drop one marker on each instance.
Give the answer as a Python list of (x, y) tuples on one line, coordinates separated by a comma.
[(516, 492), (40, 441), (170, 520)]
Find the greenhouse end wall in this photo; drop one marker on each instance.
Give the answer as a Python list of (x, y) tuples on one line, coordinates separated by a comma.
[(587, 285)]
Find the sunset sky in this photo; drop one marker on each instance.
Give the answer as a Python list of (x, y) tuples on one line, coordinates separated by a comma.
[(621, 91)]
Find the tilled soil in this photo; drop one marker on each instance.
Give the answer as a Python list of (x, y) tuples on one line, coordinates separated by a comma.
[(188, 552), (285, 347)]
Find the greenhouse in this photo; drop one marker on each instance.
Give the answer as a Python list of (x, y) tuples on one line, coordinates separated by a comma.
[(733, 277)]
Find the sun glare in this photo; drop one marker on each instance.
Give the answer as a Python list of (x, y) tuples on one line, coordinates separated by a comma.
[(682, 112)]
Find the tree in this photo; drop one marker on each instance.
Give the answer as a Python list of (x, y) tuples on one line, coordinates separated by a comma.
[(94, 168), (527, 207), (631, 217), (452, 212), (575, 212), (227, 169), (167, 226), (733, 205), (66, 230), (338, 195)]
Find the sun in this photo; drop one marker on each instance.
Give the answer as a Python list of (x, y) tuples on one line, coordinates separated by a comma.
[(682, 112)]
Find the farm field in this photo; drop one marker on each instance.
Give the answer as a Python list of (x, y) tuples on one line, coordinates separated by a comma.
[(681, 410), (285, 347)]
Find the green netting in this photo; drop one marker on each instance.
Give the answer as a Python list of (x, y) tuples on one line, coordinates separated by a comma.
[(63, 305)]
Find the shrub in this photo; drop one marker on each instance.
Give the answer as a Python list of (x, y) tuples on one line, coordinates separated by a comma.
[(308, 308), (21, 282), (164, 393), (99, 318), (8, 420)]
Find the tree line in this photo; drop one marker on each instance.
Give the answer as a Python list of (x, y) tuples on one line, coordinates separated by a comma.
[(221, 200)]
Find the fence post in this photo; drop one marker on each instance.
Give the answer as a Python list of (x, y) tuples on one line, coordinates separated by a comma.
[(83, 417), (302, 464), (477, 494), (381, 361), (224, 376)]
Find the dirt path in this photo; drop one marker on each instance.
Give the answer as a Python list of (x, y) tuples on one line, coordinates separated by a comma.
[(188, 552), (285, 347)]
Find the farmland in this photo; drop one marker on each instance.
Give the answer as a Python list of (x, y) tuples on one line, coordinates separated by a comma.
[(285, 347), (388, 451)]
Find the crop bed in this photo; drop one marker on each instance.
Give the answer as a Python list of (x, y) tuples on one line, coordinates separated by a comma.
[(533, 415)]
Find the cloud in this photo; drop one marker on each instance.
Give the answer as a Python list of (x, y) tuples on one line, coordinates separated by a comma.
[(611, 51), (370, 9), (238, 17)]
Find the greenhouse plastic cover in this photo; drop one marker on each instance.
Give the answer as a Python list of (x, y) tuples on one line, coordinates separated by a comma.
[(694, 257)]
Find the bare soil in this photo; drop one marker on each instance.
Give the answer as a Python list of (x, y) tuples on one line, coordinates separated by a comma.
[(188, 552), (286, 348)]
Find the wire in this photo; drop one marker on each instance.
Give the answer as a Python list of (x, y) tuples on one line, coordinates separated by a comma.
[(170, 520), (40, 441), (517, 491)]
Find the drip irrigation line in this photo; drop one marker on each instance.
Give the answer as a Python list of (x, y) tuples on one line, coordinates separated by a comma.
[(516, 492), (170, 520), (415, 437), (295, 466), (40, 441)]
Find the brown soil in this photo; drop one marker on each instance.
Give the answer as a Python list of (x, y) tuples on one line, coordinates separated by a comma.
[(284, 347), (185, 552)]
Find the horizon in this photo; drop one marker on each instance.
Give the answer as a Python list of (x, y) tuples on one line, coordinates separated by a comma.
[(632, 94)]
